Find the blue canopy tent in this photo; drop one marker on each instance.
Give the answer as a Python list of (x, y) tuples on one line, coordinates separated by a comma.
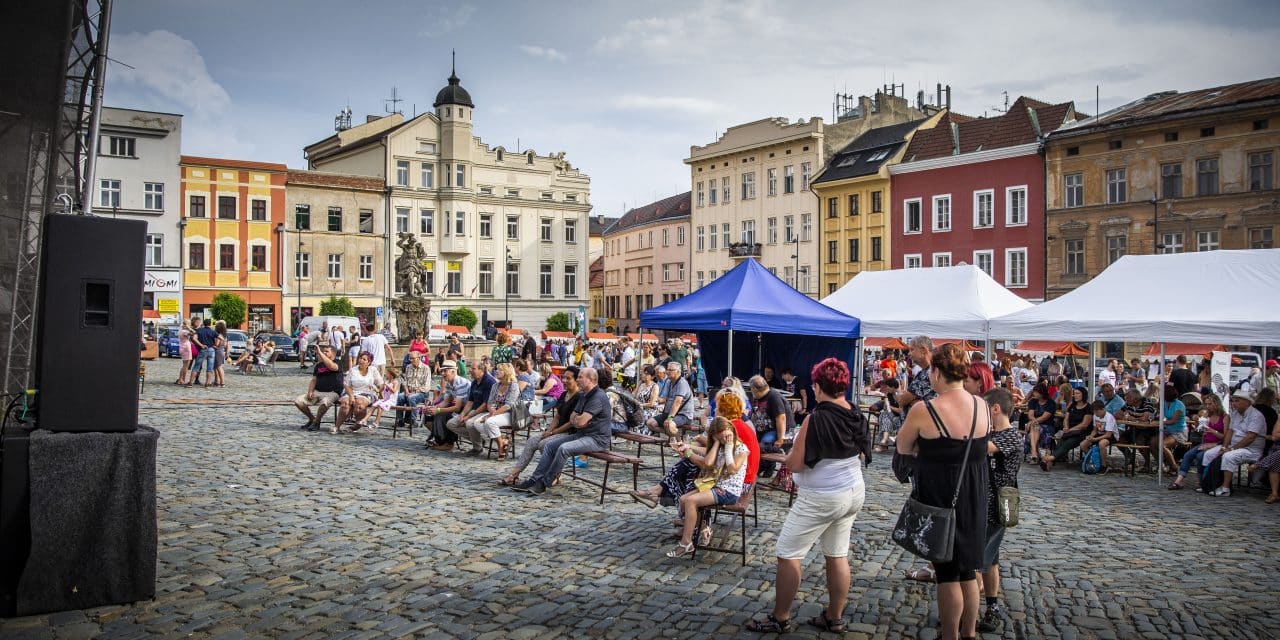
[(765, 320)]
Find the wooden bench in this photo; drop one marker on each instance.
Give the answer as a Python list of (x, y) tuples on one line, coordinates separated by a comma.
[(1130, 453), (609, 458), (642, 440), (780, 459), (737, 510), (332, 416)]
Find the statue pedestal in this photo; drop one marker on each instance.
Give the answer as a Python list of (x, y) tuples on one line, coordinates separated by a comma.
[(413, 314)]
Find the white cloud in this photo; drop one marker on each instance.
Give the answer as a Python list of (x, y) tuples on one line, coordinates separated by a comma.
[(544, 52), (636, 102), (443, 20), (169, 67)]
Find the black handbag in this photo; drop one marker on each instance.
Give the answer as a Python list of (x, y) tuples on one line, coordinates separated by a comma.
[(928, 531)]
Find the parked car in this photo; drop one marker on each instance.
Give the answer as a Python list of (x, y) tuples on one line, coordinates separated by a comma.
[(237, 342), (285, 346), (169, 342)]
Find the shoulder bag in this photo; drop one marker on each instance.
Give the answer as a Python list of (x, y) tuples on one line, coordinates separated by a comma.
[(928, 531)]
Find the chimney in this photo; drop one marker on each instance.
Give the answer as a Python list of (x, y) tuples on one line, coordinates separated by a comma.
[(938, 96), (920, 99), (948, 97)]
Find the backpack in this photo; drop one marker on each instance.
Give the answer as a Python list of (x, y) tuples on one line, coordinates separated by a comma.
[(1092, 462)]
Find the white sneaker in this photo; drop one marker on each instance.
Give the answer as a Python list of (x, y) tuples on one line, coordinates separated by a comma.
[(1221, 492)]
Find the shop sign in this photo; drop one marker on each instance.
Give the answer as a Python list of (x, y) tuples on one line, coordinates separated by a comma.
[(167, 305), (160, 281), (262, 309)]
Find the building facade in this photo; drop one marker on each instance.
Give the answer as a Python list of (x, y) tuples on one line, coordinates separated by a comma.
[(595, 315), (505, 233), (971, 190), (646, 260), (1171, 172), (595, 243), (137, 177), (233, 221), (336, 239), (854, 192), (751, 195)]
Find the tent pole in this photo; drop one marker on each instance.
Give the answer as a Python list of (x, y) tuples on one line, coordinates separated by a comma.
[(730, 374), (1090, 383), (1160, 421), (861, 366)]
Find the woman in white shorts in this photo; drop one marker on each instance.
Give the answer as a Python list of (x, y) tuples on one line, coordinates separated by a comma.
[(826, 463)]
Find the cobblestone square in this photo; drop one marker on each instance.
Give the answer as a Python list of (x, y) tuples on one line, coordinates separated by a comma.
[(268, 531)]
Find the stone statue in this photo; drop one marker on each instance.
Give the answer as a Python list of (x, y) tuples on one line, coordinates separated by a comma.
[(412, 308)]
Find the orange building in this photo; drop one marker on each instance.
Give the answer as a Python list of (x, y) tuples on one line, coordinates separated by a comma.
[(232, 226)]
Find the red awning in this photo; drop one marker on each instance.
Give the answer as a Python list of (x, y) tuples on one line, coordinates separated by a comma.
[(452, 328), (150, 314), (964, 344), (602, 337), (1057, 348), (1174, 349), (884, 343), (648, 337)]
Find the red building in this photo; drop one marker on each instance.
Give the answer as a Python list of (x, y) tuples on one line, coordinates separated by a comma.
[(971, 190)]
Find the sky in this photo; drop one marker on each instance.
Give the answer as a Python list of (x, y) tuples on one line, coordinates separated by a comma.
[(625, 88)]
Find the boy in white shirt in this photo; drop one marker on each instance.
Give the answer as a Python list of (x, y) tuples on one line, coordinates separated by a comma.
[(1105, 432)]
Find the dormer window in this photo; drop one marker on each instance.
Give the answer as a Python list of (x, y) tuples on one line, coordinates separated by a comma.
[(499, 155), (529, 157)]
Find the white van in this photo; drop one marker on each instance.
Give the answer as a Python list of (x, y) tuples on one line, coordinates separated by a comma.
[(1242, 363), (313, 323)]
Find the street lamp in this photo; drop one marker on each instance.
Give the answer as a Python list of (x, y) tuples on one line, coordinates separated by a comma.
[(796, 255), (1155, 226), (506, 289), (297, 275), (182, 251)]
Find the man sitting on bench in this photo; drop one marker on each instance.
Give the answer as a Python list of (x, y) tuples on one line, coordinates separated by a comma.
[(415, 382), (324, 390), (589, 422)]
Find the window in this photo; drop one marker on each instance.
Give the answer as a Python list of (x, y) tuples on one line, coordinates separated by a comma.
[(121, 147), (153, 197), (226, 257), (335, 266), (1073, 190), (544, 279), (155, 250), (1171, 242), (1261, 238), (461, 175), (771, 231), (427, 222), (911, 216), (453, 278), (942, 259), (875, 249), (1171, 136), (877, 202), (426, 147), (749, 185), (402, 173), (724, 190), (666, 273), (258, 257), (911, 261), (984, 260), (711, 276), (1207, 177), (983, 209), (806, 227), (789, 275), (942, 213), (428, 175), (1260, 171), (701, 195), (666, 238), (1206, 132), (109, 193), (513, 227), (513, 278), (854, 250), (789, 179), (195, 256), (715, 239), (853, 205), (486, 279), (771, 180), (195, 209), (1207, 240), (459, 223), (1015, 267), (301, 265), (1015, 202), (700, 239), (1171, 180), (833, 249), (1259, 125), (544, 230), (833, 207), (529, 158), (499, 154), (806, 170), (1073, 151), (1117, 247), (1117, 186), (804, 279), (571, 280), (788, 229), (724, 234), (302, 217), (1115, 144), (571, 233), (699, 280), (749, 232), (679, 236), (226, 207), (711, 196), (444, 174), (513, 193), (366, 220), (1075, 257), (486, 225)]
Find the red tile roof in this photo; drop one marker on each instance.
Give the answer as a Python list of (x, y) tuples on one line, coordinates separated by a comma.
[(1168, 104), (233, 164), (673, 207), (1025, 122)]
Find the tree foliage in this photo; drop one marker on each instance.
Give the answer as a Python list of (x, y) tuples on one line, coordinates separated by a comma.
[(463, 317), (336, 306), (229, 308), (558, 322)]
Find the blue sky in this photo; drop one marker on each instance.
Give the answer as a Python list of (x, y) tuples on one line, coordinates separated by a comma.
[(626, 88)]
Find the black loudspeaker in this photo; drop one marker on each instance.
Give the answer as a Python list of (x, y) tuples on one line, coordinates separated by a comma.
[(90, 323)]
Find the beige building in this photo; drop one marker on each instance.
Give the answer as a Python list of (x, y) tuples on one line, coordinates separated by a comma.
[(336, 238), (646, 260), (595, 243), (501, 229), (751, 195)]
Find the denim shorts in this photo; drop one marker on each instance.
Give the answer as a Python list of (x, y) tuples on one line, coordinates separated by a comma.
[(724, 497)]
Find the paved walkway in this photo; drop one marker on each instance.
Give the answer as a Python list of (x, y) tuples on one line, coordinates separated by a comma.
[(266, 531)]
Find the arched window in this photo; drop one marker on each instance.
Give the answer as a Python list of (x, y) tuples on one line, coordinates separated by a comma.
[(530, 157), (499, 155)]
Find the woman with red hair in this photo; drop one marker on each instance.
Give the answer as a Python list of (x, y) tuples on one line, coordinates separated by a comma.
[(978, 378)]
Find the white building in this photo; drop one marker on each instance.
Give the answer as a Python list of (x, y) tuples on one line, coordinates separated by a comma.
[(499, 228), (137, 176)]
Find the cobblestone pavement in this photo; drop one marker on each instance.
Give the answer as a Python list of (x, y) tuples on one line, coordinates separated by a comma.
[(267, 531)]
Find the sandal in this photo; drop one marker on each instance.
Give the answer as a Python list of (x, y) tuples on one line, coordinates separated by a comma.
[(1174, 486), (770, 625), (645, 499), (820, 621), (681, 551), (1272, 499), (508, 481), (921, 574), (704, 536), (503, 443)]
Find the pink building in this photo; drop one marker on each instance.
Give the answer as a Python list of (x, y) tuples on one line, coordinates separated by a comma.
[(646, 260)]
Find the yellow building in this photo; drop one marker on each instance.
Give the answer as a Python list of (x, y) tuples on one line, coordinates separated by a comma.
[(853, 192)]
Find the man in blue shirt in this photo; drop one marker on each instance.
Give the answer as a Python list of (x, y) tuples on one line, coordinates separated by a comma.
[(477, 402), (1111, 399), (206, 339)]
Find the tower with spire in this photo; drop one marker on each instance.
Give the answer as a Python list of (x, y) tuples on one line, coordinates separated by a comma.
[(454, 108)]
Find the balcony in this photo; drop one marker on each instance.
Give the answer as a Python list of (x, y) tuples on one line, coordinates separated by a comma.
[(739, 250), (455, 244)]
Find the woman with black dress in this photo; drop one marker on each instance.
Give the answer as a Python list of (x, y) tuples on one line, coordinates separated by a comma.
[(938, 432)]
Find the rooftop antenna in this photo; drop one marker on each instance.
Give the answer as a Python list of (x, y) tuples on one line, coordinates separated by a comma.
[(342, 121), (392, 104)]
